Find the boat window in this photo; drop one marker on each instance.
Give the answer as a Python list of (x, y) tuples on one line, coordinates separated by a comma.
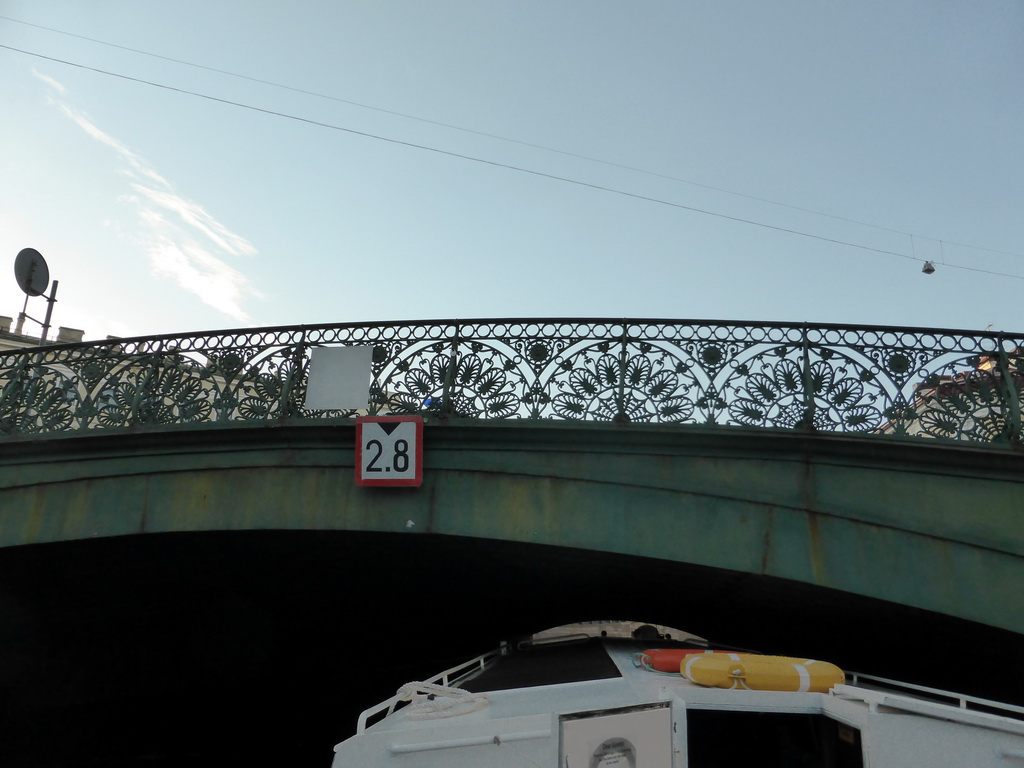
[(723, 739), (546, 664)]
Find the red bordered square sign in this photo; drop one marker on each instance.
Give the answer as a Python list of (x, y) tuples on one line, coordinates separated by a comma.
[(389, 450)]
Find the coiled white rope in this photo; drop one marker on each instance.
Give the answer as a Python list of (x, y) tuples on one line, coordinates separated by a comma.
[(430, 701)]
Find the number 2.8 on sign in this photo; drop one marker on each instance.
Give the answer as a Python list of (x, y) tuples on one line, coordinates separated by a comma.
[(388, 450)]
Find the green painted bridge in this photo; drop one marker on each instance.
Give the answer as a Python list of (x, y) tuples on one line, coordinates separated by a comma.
[(179, 535), (938, 528)]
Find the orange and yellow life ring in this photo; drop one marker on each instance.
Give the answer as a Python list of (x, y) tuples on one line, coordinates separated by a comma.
[(749, 671)]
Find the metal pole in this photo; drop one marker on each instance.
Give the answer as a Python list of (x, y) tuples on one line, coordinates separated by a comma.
[(620, 396), (808, 380), (1010, 395), (49, 311), (289, 406), (21, 317), (448, 386)]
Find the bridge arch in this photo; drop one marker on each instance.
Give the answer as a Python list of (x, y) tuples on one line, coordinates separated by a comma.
[(919, 526)]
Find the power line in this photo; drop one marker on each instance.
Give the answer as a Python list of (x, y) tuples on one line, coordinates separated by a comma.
[(496, 164), (485, 134)]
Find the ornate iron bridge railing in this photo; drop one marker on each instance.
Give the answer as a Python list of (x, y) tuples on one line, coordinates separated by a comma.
[(908, 382)]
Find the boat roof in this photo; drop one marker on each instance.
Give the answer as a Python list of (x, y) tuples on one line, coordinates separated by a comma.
[(527, 693)]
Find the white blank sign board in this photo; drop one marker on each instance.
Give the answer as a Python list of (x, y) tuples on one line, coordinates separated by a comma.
[(339, 378)]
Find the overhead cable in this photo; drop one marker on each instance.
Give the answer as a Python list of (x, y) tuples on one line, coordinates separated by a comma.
[(497, 164), (520, 142)]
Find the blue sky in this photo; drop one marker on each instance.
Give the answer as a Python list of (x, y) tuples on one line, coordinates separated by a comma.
[(646, 136)]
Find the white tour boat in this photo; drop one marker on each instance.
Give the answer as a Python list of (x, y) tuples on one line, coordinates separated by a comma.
[(620, 702)]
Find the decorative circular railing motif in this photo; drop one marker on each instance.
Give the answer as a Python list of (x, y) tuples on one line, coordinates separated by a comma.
[(909, 383)]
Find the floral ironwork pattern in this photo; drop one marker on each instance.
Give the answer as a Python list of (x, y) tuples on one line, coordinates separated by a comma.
[(823, 395), (908, 383), (626, 388)]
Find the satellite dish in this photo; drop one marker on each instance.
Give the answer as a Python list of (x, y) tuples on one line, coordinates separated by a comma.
[(31, 272)]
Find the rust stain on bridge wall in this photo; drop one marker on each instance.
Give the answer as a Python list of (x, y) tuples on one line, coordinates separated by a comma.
[(769, 535), (38, 511), (816, 551), (815, 545)]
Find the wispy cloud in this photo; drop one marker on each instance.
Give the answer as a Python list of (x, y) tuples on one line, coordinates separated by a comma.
[(50, 82), (197, 217), (190, 245), (195, 270)]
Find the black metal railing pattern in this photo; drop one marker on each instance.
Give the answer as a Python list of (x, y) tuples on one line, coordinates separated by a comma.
[(905, 382)]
